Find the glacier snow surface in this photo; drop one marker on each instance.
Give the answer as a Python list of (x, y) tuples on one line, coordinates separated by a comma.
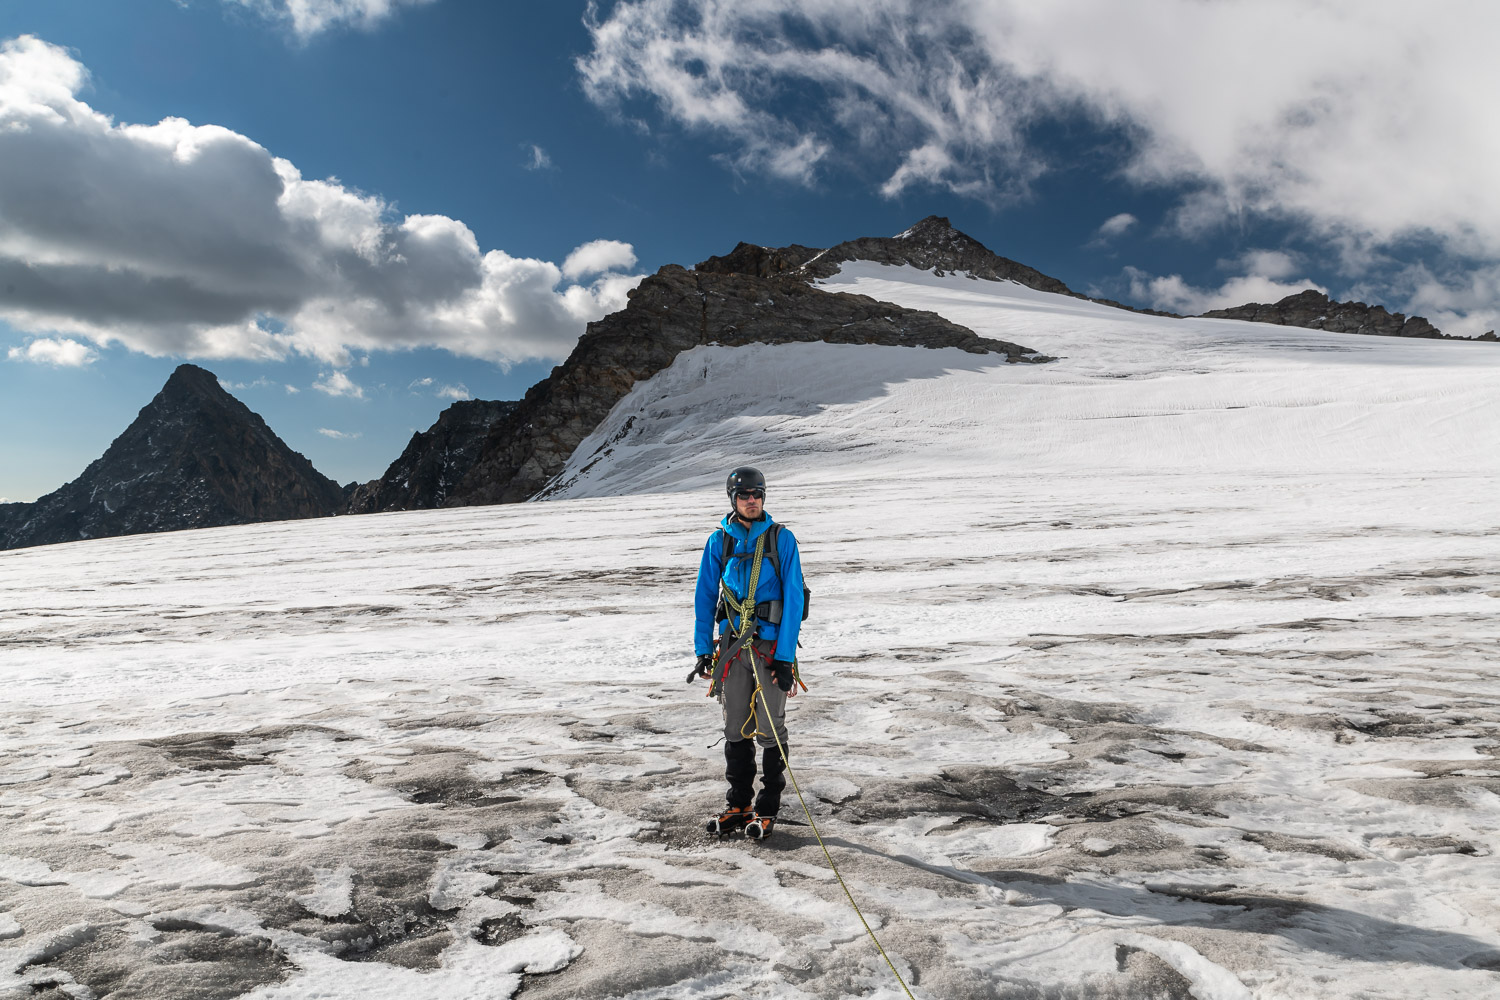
[(1168, 668)]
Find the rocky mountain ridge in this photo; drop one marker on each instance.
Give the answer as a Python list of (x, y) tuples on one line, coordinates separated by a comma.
[(434, 462), (1315, 311), (670, 312), (194, 457), (930, 245)]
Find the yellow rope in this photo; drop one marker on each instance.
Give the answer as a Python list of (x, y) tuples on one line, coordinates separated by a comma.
[(814, 826), (746, 611)]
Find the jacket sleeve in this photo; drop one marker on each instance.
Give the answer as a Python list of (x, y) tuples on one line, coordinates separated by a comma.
[(706, 598), (791, 596)]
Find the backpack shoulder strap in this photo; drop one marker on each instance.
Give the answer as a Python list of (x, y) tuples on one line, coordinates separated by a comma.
[(772, 535)]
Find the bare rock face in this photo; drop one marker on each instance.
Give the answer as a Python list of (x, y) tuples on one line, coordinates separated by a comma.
[(195, 457), (760, 262), (934, 245), (931, 245), (1316, 311), (12, 514), (435, 460), (670, 312)]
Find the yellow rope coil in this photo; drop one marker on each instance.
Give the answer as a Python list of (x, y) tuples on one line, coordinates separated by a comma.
[(746, 632)]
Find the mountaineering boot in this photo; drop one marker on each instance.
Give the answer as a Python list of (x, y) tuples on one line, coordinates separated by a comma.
[(772, 780), (730, 820), (760, 827)]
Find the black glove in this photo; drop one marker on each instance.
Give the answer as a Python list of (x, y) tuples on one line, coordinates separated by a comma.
[(783, 672), (704, 668)]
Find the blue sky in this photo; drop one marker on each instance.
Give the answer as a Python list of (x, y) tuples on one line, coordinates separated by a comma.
[(354, 211)]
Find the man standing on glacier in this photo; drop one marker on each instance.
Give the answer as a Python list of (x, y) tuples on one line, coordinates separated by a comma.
[(752, 666)]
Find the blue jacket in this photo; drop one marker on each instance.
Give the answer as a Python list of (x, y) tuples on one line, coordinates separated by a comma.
[(787, 589)]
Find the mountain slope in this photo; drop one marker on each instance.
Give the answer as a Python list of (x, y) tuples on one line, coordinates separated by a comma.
[(434, 462), (193, 457), (670, 312), (1127, 392)]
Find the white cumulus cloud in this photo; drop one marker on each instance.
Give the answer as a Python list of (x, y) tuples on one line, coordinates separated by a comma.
[(339, 384), (62, 353), (338, 435), (192, 240), (599, 257), (1116, 225)]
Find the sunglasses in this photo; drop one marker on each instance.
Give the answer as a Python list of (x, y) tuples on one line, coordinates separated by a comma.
[(749, 494)]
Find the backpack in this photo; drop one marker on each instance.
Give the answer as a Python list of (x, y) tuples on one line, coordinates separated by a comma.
[(769, 610)]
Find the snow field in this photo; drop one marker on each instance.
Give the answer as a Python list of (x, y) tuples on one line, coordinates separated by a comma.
[(1116, 692)]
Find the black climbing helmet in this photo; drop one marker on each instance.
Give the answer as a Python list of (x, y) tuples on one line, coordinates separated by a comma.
[(744, 478)]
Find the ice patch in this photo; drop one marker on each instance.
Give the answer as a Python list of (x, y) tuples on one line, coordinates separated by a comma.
[(168, 868), (468, 970), (333, 892), (28, 871), (831, 788)]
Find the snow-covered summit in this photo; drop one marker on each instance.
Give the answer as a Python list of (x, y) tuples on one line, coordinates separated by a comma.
[(1130, 393)]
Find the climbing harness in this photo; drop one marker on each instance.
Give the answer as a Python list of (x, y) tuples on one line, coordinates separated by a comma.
[(744, 641), (745, 633)]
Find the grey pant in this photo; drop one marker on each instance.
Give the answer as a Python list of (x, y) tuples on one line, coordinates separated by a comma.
[(735, 696)]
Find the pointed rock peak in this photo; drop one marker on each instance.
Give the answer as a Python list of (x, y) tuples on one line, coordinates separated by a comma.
[(189, 381), (937, 232), (932, 227), (192, 375), (194, 457)]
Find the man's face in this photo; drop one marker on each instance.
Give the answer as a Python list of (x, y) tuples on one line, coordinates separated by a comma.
[(748, 503)]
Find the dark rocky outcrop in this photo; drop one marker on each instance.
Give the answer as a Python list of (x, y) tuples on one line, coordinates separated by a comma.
[(670, 312), (1316, 311), (931, 245), (194, 457), (12, 514), (760, 262), (435, 460)]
